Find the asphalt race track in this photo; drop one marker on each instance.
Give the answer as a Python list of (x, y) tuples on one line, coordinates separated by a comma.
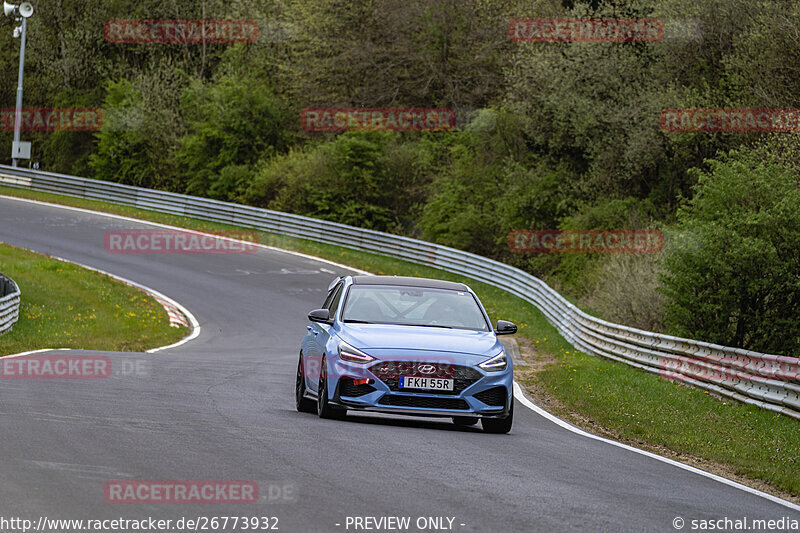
[(221, 407)]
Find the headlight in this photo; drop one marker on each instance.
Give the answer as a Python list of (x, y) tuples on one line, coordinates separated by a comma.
[(496, 363), (353, 355)]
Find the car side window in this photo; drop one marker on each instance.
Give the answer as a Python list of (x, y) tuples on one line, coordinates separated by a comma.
[(334, 301)]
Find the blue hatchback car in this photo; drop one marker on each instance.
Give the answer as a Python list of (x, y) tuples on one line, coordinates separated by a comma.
[(407, 346)]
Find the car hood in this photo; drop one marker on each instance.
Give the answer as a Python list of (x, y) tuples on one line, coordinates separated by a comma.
[(374, 339)]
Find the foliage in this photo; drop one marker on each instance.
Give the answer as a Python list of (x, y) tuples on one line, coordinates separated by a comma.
[(366, 179), (732, 266), (125, 154), (231, 123), (551, 135)]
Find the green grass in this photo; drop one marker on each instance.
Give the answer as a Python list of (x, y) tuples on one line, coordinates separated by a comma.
[(499, 303), (66, 306), (638, 406), (642, 407)]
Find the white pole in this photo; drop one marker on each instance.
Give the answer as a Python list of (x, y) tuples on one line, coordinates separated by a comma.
[(18, 114)]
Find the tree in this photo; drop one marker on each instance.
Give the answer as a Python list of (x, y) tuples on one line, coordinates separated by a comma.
[(376, 53), (232, 123), (733, 265), (125, 153)]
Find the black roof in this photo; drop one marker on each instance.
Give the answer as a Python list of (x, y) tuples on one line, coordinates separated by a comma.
[(404, 281)]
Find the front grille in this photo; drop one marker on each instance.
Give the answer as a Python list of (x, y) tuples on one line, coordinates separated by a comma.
[(347, 388), (390, 371), (398, 400), (493, 396)]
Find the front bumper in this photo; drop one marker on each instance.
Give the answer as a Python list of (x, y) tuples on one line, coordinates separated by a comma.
[(486, 395)]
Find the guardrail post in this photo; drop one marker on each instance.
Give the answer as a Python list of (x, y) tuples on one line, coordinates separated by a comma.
[(750, 377)]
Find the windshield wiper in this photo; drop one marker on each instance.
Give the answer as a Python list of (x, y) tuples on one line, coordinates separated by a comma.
[(354, 321), (429, 326)]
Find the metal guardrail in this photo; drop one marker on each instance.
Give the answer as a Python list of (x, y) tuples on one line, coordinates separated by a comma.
[(9, 303), (769, 381)]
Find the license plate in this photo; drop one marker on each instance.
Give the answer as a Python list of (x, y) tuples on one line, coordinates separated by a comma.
[(407, 382)]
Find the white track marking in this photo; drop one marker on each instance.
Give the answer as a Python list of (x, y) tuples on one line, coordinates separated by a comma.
[(518, 393), (22, 354), (520, 396), (185, 230), (158, 296), (194, 324)]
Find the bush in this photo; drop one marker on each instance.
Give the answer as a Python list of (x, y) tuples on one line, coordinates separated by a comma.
[(371, 180), (463, 211), (232, 123), (582, 273), (732, 265), (626, 291), (125, 153), (488, 184)]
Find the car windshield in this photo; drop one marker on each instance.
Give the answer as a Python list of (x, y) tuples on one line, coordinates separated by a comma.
[(413, 306)]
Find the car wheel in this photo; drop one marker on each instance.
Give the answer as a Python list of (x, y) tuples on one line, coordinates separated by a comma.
[(303, 404), (499, 425), (465, 420), (325, 409)]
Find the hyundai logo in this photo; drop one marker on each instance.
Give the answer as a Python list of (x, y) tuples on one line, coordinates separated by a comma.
[(426, 369)]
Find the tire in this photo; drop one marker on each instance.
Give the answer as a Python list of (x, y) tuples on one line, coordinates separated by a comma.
[(465, 420), (499, 425), (325, 409), (303, 404)]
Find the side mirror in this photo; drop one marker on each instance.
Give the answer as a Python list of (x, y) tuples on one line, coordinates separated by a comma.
[(321, 315), (504, 327)]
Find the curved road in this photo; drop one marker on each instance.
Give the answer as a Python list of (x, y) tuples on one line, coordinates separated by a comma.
[(221, 407)]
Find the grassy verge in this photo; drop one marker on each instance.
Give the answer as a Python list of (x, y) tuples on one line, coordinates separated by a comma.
[(498, 303), (66, 306), (750, 444), (743, 442)]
